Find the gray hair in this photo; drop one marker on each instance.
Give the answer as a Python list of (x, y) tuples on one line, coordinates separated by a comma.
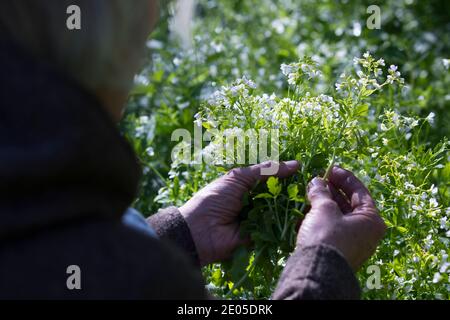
[(105, 53)]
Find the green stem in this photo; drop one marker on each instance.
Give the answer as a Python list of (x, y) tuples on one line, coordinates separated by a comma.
[(245, 276), (330, 166), (277, 214), (156, 172), (283, 233)]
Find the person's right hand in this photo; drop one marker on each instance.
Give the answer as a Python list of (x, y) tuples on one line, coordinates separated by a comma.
[(342, 215)]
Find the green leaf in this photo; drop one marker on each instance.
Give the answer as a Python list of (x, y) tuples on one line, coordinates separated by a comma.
[(388, 223), (446, 172), (239, 263), (274, 186), (297, 212), (263, 196), (216, 277), (292, 191), (158, 75), (366, 92), (362, 110)]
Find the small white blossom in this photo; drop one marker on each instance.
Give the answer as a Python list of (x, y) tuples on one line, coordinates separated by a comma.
[(443, 223), (437, 277), (446, 63), (430, 117), (433, 203)]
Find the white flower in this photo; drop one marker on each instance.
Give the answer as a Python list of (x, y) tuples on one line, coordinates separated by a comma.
[(446, 63), (428, 242), (385, 141), (444, 267), (249, 83), (287, 69), (409, 185), (390, 79), (393, 68), (150, 151), (433, 189), (338, 86), (198, 122), (433, 203), (430, 117), (437, 277), (443, 223), (366, 54)]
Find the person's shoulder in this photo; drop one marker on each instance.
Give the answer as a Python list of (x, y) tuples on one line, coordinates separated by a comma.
[(147, 267), (112, 260), (167, 270)]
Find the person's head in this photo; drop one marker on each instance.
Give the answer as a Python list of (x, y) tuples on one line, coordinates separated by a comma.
[(103, 56)]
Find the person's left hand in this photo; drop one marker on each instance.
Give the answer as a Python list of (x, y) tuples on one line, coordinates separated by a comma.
[(212, 214)]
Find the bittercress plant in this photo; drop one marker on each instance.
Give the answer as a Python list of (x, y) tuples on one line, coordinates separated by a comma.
[(344, 126)]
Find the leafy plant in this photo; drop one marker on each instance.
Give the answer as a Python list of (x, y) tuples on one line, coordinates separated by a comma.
[(319, 131), (397, 152)]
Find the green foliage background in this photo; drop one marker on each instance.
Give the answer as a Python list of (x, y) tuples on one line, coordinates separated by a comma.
[(233, 38)]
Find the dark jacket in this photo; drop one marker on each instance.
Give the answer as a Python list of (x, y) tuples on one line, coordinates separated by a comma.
[(67, 177)]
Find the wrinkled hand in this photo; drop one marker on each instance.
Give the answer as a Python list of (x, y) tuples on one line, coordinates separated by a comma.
[(342, 215), (212, 214)]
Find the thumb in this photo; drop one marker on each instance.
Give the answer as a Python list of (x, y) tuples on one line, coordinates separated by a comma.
[(319, 194), (248, 176)]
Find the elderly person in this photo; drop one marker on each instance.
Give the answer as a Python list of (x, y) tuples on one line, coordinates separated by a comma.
[(67, 177)]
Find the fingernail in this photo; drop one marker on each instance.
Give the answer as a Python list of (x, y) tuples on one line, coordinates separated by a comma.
[(291, 164), (316, 182)]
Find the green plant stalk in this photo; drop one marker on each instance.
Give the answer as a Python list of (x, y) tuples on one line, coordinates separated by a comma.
[(237, 284)]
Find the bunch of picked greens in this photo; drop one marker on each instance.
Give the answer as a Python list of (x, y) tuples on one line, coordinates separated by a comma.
[(352, 125)]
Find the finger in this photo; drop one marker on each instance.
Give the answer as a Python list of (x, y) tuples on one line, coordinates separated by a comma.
[(320, 196), (340, 198), (260, 172), (266, 169), (352, 187)]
